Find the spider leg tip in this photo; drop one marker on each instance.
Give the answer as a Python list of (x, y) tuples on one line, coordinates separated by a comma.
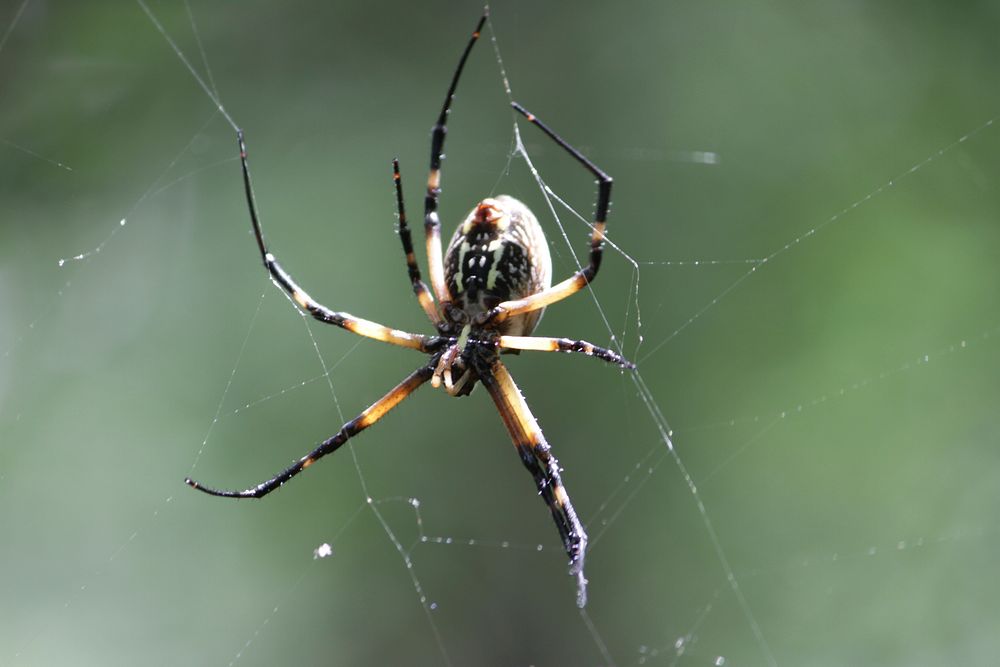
[(581, 590)]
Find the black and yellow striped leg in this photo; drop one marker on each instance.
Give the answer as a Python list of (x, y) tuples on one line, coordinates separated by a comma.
[(543, 344), (374, 413), (584, 276), (538, 459), (413, 269), (432, 224), (317, 310)]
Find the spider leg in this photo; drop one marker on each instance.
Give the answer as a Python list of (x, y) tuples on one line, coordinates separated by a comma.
[(584, 276), (543, 344), (374, 413), (419, 287), (346, 321), (432, 225), (538, 459)]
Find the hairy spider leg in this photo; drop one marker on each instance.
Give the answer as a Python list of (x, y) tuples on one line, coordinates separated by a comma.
[(413, 269), (538, 459), (432, 224), (347, 321), (584, 276), (544, 344), (374, 413)]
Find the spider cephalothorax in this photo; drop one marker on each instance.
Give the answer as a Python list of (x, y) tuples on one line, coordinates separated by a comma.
[(487, 295)]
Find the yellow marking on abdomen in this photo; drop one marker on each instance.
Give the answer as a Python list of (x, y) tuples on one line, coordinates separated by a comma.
[(496, 248)]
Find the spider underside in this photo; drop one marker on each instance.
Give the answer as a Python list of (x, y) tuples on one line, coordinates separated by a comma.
[(487, 294)]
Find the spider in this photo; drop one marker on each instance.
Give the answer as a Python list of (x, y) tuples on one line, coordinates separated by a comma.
[(489, 290)]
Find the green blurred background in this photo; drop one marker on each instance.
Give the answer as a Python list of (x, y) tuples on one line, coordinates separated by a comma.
[(852, 482)]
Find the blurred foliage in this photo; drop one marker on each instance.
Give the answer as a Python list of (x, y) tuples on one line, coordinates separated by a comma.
[(835, 406)]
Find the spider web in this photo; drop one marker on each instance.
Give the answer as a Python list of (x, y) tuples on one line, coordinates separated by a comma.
[(801, 258)]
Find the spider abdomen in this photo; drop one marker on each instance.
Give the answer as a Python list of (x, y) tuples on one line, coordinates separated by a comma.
[(497, 254)]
